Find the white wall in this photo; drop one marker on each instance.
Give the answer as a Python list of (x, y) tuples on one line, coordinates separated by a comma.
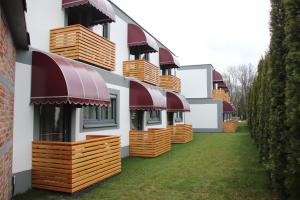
[(23, 119), (203, 116), (124, 122), (193, 83), (41, 16), (154, 58), (118, 35)]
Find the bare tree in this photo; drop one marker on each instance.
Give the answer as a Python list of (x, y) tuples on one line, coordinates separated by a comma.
[(239, 80)]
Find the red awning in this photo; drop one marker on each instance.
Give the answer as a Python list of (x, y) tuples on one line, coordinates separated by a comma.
[(146, 97), (105, 10), (56, 80), (177, 102), (228, 108), (139, 41), (217, 77), (222, 85), (167, 59)]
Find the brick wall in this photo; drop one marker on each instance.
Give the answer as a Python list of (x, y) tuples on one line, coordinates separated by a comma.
[(7, 72)]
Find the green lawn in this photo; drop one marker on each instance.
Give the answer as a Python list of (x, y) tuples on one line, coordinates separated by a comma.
[(212, 166)]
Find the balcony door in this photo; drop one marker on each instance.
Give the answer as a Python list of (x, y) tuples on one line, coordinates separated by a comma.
[(55, 122), (137, 119), (170, 117)]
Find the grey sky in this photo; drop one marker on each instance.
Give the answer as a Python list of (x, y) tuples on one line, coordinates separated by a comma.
[(221, 32)]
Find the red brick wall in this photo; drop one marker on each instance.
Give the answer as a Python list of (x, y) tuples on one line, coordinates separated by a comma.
[(7, 72)]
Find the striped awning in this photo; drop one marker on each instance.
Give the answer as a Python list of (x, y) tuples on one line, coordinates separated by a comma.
[(144, 96), (57, 80), (101, 11)]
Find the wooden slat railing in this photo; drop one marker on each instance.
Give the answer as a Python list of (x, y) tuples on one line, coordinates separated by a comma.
[(181, 133), (79, 43), (220, 94), (230, 126), (142, 70), (73, 166), (171, 83), (151, 143)]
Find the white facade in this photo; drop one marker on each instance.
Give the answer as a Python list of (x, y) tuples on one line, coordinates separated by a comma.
[(197, 84), (203, 116)]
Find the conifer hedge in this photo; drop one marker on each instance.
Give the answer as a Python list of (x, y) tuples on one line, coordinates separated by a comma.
[(274, 101)]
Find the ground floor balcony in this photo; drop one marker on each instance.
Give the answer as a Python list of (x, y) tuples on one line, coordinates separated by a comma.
[(72, 166), (170, 82), (151, 143), (79, 43), (181, 133), (220, 94), (230, 126), (142, 70)]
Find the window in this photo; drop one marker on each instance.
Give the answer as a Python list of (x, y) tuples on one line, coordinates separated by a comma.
[(101, 29), (154, 117), (179, 117), (54, 122), (101, 116)]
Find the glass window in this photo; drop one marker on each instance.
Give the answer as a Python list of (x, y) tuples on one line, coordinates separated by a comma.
[(154, 117), (54, 122), (98, 116), (179, 117)]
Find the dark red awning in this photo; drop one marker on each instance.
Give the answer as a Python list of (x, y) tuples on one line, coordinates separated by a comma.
[(106, 11), (222, 85), (177, 102), (139, 41), (167, 59), (146, 97), (217, 77), (56, 80), (228, 108)]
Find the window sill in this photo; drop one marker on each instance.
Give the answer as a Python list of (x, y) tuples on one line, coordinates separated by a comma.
[(150, 123), (91, 126)]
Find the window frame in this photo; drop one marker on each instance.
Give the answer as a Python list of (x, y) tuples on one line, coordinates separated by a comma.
[(177, 117), (152, 121), (102, 123)]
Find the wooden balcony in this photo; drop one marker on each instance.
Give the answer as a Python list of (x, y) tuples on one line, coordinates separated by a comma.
[(79, 43), (181, 133), (171, 83), (72, 166), (151, 143), (142, 70), (230, 126), (220, 95)]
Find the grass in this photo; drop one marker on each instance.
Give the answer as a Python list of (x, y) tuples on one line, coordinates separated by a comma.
[(212, 166)]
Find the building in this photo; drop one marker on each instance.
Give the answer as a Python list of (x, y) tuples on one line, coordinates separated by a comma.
[(208, 97), (13, 36), (93, 80)]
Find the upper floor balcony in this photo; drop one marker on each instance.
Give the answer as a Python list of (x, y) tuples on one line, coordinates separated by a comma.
[(79, 43), (220, 94), (170, 82), (142, 70)]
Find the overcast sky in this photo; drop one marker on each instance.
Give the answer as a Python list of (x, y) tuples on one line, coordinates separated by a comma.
[(221, 32)]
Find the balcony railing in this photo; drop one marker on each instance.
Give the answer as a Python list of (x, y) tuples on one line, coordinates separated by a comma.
[(151, 143), (220, 94), (230, 126), (142, 70), (181, 133), (171, 83), (79, 43), (73, 166)]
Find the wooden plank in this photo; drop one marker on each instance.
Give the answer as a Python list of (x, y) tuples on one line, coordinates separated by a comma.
[(79, 43), (170, 82), (72, 166), (142, 70), (151, 143)]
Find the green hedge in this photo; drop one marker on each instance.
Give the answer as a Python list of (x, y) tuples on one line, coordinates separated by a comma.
[(274, 101)]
